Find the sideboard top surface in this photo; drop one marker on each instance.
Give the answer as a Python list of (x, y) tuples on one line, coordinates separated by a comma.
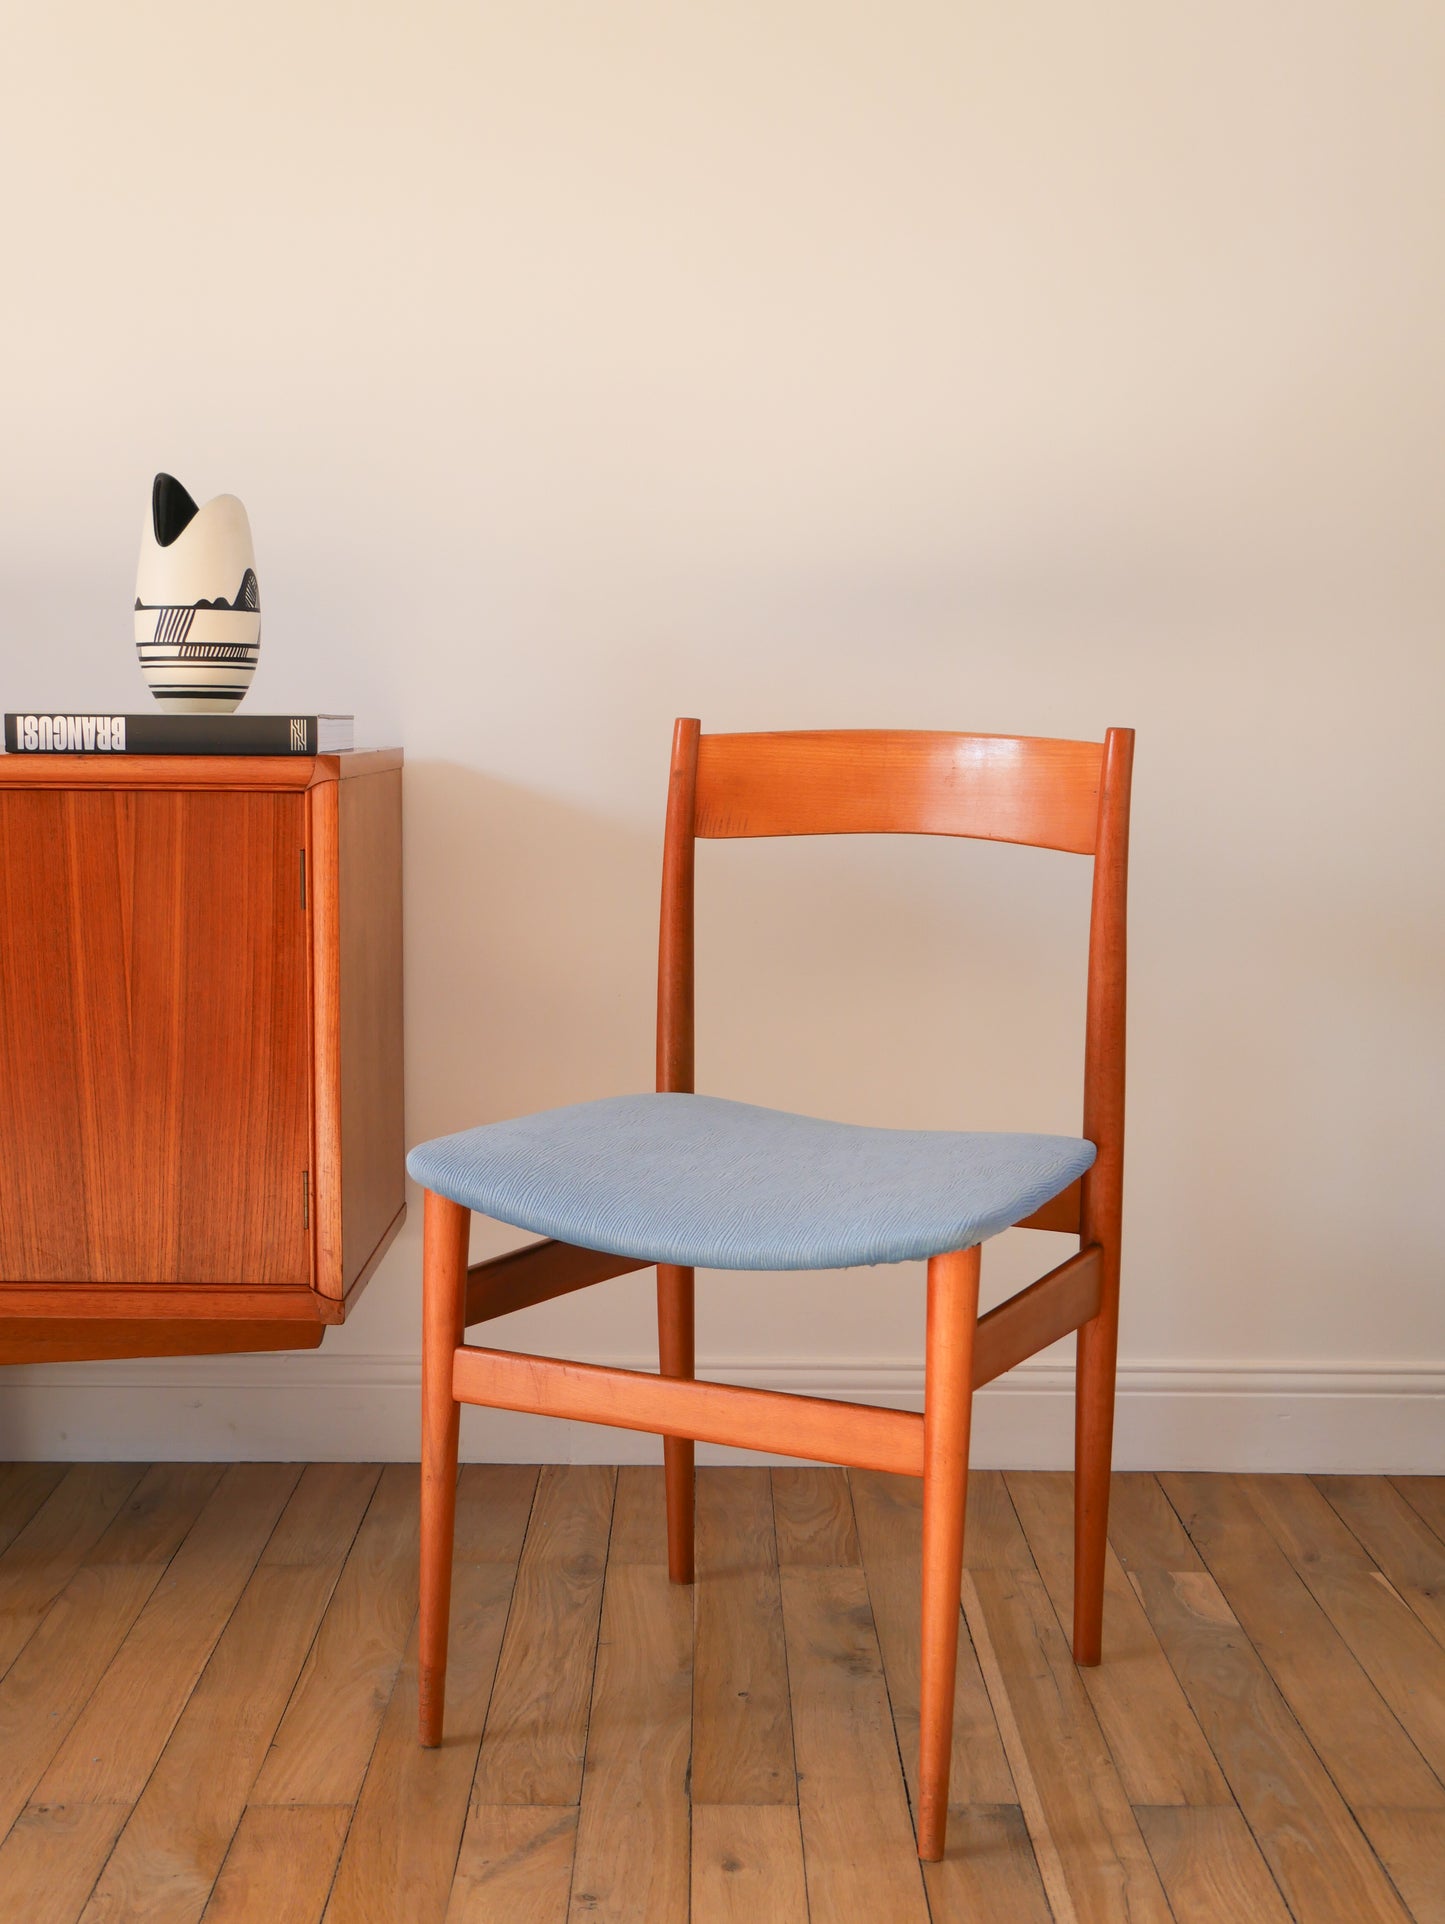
[(192, 771)]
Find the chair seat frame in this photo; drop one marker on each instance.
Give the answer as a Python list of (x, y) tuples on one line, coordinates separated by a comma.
[(1054, 794)]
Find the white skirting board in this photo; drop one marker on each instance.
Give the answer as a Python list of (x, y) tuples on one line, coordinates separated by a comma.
[(1378, 1417)]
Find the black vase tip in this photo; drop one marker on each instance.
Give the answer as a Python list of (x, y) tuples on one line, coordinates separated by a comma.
[(172, 509)]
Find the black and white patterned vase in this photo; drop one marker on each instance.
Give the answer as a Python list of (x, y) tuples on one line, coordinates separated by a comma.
[(197, 607)]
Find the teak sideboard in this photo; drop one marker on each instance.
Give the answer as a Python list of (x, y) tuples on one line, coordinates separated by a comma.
[(201, 1139)]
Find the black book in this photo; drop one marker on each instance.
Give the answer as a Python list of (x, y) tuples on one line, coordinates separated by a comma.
[(154, 734)]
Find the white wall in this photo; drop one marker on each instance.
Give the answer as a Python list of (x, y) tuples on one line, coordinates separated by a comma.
[(1018, 367)]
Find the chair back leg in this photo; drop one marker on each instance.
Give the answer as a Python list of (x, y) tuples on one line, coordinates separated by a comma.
[(1094, 1378), (676, 1347), (947, 1415), (446, 1227)]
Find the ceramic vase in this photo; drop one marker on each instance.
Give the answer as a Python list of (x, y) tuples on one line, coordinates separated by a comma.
[(197, 607)]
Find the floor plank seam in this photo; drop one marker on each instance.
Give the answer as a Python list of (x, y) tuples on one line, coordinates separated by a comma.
[(1219, 1761), (787, 1670), (496, 1672), (1304, 1734), (887, 1684), (1436, 1630), (1395, 1483), (43, 1617), (591, 1694)]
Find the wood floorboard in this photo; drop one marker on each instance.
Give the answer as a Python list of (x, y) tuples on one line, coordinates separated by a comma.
[(280, 1865), (889, 1511), (1402, 1545), (325, 1740), (858, 1844), (515, 1863), (176, 1838), (536, 1733), (23, 1488), (1426, 1496), (1154, 1737), (813, 1514), (1358, 1739), (113, 1747), (401, 1850), (747, 1864), (1211, 1866), (1311, 1841), (742, 1742), (46, 1553), (633, 1847), (1398, 1654), (208, 1702)]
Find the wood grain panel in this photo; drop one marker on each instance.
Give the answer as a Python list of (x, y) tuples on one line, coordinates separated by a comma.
[(1000, 788), (217, 773), (358, 1018), (155, 1117), (69, 1339)]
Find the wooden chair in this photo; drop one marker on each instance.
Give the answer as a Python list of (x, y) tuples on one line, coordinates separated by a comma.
[(611, 1189)]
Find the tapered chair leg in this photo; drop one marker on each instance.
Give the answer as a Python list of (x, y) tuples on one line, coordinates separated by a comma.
[(677, 1356), (947, 1413), (445, 1231), (1094, 1377)]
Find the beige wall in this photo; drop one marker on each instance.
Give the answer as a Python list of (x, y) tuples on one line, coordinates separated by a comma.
[(1018, 367)]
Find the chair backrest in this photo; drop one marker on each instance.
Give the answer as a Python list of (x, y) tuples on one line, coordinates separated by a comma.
[(1064, 795)]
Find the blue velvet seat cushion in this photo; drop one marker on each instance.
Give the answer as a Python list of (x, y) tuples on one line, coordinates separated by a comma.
[(697, 1180)]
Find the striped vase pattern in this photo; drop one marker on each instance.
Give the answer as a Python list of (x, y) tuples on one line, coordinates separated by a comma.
[(197, 603)]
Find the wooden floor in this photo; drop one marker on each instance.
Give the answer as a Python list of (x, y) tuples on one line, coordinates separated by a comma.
[(208, 1703)]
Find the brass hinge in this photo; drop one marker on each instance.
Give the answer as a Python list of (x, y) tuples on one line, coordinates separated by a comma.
[(303, 878), (305, 1198)]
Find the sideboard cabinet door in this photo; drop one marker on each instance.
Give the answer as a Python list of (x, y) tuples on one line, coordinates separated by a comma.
[(154, 1023)]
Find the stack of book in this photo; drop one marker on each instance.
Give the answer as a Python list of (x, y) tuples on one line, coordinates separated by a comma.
[(154, 734)]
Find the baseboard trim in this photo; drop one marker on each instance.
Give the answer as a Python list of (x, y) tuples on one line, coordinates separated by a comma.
[(1308, 1415)]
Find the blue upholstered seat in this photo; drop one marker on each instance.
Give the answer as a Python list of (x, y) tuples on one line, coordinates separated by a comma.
[(700, 1181)]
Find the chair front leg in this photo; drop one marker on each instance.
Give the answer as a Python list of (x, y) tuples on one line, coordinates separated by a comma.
[(676, 1349), (446, 1227), (947, 1413), (1095, 1372)]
